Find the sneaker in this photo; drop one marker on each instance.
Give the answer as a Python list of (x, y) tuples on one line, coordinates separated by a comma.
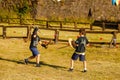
[(37, 65), (84, 70), (70, 69), (26, 61)]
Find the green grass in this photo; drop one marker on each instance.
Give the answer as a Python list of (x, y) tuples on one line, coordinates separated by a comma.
[(102, 63)]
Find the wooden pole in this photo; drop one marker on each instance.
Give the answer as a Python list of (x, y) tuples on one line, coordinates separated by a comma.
[(91, 27), (75, 25), (56, 36), (4, 32), (103, 26), (118, 27), (29, 32), (47, 25), (61, 24)]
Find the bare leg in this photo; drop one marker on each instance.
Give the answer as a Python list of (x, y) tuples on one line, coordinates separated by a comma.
[(85, 65), (27, 59), (71, 64), (31, 57), (38, 58)]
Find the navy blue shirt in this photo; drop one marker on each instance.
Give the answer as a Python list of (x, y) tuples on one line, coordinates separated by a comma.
[(81, 44), (34, 41)]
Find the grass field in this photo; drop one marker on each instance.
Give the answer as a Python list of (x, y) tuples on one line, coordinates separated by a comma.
[(102, 63)]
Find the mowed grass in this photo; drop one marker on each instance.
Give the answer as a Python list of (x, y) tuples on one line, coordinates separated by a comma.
[(102, 63)]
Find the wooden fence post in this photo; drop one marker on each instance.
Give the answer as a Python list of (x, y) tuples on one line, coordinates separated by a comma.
[(61, 24), (103, 26), (0, 19), (91, 27), (56, 36), (75, 25), (29, 32), (118, 27), (47, 25), (4, 32)]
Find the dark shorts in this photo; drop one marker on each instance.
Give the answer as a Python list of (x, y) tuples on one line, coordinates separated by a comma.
[(35, 52), (80, 56)]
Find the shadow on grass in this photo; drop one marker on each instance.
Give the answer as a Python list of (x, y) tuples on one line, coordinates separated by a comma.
[(49, 65), (19, 62), (42, 63)]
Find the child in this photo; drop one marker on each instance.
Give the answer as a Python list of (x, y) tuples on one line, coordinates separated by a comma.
[(81, 43), (113, 40), (35, 39)]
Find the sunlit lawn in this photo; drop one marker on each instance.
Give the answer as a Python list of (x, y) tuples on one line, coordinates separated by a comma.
[(102, 63)]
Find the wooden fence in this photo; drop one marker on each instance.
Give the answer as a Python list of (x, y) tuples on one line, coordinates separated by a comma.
[(4, 31), (56, 33), (105, 24), (60, 24)]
